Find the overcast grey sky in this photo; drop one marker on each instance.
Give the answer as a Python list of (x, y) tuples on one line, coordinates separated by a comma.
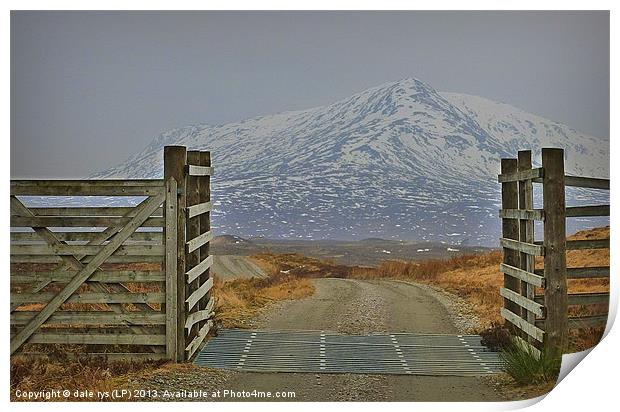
[(88, 89)]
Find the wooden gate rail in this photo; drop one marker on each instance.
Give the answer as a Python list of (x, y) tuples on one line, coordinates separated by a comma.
[(137, 276), (542, 320)]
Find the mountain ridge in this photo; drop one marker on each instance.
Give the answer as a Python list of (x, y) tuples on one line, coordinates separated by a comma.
[(399, 161)]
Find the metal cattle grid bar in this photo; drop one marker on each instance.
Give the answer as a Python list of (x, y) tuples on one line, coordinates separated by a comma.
[(328, 352)]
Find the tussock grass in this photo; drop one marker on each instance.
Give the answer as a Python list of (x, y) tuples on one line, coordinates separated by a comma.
[(520, 362)]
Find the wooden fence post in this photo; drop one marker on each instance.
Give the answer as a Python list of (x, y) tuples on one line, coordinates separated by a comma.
[(510, 230), (175, 159), (526, 230), (554, 204), (170, 267)]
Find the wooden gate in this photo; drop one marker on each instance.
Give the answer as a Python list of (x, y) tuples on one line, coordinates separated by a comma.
[(536, 299), (110, 278), (191, 171)]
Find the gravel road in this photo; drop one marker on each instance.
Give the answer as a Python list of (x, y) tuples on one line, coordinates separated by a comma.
[(355, 307)]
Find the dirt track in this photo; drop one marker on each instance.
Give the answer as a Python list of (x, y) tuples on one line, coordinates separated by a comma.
[(353, 306), (358, 307)]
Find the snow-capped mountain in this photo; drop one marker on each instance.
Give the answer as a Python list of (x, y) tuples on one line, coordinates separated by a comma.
[(400, 160)]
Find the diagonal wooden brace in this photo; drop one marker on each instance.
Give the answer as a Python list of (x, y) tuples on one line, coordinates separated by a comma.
[(151, 204), (19, 209)]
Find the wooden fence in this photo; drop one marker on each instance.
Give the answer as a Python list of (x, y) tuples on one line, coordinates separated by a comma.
[(536, 299), (132, 281)]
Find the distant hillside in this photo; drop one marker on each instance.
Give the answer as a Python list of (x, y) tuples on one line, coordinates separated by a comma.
[(396, 161), (364, 252), (230, 241)]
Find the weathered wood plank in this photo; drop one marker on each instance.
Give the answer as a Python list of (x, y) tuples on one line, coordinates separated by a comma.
[(583, 298), (195, 344), (79, 221), (199, 170), (91, 297), (30, 237), (588, 298), (197, 270), (199, 241), (87, 211), (590, 272), (205, 226), (87, 182), (522, 301), (584, 211), (192, 257), (587, 244), (99, 276), (196, 317), (199, 293), (523, 324), (526, 231), (522, 275), (529, 248), (199, 209), (86, 187), (151, 204), (170, 207), (515, 176), (554, 228), (175, 159), (97, 339), (587, 322), (200, 315), (535, 214), (583, 273), (86, 250), (510, 228), (581, 322), (93, 318), (111, 356), (588, 182), (99, 329), (88, 259)]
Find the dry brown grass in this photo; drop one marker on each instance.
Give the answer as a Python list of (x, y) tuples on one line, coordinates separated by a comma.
[(241, 299), (87, 374)]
